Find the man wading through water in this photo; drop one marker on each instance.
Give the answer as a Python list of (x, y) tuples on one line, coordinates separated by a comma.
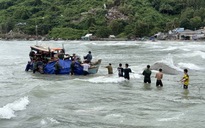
[(127, 72), (147, 73)]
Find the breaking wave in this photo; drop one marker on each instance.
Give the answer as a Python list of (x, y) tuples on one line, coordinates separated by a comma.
[(8, 111), (189, 66), (167, 66), (194, 54), (109, 78)]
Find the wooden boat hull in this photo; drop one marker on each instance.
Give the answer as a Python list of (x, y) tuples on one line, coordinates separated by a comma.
[(94, 68)]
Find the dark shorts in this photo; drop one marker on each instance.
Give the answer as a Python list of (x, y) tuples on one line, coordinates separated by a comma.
[(85, 73), (147, 81), (120, 75), (127, 77), (159, 83), (185, 86), (72, 71)]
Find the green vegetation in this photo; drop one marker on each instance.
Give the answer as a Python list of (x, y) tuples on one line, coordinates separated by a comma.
[(71, 19)]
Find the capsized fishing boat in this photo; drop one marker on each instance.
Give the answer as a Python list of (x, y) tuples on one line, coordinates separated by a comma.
[(44, 59)]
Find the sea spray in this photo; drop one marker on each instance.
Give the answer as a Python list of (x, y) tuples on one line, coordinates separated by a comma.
[(8, 111), (190, 66)]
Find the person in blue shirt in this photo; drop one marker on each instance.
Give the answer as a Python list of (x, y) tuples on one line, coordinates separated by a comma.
[(88, 57)]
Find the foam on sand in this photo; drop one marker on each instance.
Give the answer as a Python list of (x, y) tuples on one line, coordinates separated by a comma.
[(8, 111)]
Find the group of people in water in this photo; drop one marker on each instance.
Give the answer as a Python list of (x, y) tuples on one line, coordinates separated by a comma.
[(39, 59), (124, 72)]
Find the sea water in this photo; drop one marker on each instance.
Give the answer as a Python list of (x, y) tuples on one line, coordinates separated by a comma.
[(30, 100)]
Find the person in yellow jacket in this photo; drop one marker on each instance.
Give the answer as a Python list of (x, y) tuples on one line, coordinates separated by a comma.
[(185, 79)]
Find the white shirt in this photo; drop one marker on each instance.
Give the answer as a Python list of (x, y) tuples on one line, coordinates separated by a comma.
[(85, 67)]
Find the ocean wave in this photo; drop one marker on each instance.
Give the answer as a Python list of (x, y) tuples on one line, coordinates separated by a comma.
[(103, 79), (8, 111), (90, 110), (194, 54), (121, 43), (115, 116), (175, 117), (170, 48), (49, 120), (167, 65), (190, 66), (108, 78)]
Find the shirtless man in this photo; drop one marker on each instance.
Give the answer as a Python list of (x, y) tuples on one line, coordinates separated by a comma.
[(159, 77)]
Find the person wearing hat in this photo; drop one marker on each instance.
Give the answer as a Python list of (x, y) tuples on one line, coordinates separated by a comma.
[(88, 57), (126, 72)]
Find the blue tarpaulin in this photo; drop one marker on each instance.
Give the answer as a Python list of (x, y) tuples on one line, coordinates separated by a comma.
[(65, 64)]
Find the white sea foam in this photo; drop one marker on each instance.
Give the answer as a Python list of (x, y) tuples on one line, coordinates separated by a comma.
[(194, 47), (168, 60), (121, 43), (176, 117), (90, 110), (189, 66), (110, 116), (8, 111), (104, 79), (170, 48), (49, 120), (194, 54), (136, 76), (109, 78)]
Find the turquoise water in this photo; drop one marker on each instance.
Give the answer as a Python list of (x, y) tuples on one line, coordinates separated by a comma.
[(30, 100)]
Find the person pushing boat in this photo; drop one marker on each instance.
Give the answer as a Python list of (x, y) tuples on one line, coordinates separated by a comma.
[(159, 77), (185, 79), (127, 72), (147, 73), (120, 70), (109, 68)]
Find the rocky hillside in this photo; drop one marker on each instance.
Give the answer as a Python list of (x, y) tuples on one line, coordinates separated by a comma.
[(71, 19)]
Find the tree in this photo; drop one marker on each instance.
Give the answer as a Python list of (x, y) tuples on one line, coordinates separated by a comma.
[(103, 32), (195, 22), (116, 27)]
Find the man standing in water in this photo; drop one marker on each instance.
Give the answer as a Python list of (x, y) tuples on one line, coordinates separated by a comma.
[(126, 72), (120, 70), (147, 73), (58, 67), (159, 77), (72, 67), (86, 67), (109, 68), (88, 57), (185, 79)]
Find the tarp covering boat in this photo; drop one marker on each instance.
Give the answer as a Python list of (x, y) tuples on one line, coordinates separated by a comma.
[(65, 64), (46, 60)]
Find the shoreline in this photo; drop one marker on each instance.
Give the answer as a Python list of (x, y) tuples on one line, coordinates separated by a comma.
[(44, 38), (17, 39)]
